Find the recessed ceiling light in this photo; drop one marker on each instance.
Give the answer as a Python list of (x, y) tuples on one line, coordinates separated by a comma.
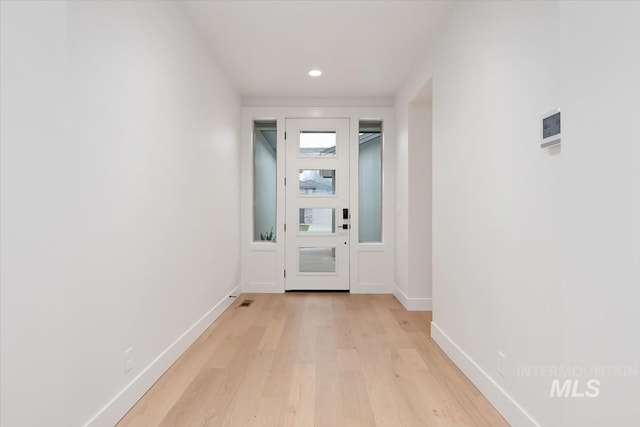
[(315, 73)]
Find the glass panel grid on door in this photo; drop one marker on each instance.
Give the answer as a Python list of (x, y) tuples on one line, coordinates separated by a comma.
[(317, 221)]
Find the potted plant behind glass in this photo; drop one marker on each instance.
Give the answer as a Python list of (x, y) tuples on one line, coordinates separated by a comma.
[(268, 236)]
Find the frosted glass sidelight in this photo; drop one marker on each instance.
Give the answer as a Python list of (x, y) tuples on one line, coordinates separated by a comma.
[(264, 181), (370, 182)]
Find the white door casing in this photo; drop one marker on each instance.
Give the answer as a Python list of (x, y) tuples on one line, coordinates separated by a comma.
[(317, 194)]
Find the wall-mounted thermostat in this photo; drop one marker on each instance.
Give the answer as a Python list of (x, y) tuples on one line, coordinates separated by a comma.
[(550, 128)]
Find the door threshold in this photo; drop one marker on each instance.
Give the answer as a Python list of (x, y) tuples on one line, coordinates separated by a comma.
[(317, 291)]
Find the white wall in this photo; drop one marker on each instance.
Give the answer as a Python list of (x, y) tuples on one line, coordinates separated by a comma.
[(496, 194), (401, 204), (600, 94), (535, 252), (120, 203), (419, 203), (413, 198)]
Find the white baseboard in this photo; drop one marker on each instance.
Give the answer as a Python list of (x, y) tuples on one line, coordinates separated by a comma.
[(412, 304), (369, 288), (113, 411), (262, 288), (505, 404)]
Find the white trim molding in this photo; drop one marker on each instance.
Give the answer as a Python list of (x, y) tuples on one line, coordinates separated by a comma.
[(369, 288), (261, 271), (117, 407), (318, 102), (412, 304), (497, 396), (262, 288)]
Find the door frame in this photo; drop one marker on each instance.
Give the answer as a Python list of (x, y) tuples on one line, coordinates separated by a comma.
[(263, 264), (340, 279)]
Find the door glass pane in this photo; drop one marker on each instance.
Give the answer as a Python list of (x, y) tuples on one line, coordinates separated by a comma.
[(317, 260), (317, 220), (264, 181), (317, 182), (370, 182), (317, 144)]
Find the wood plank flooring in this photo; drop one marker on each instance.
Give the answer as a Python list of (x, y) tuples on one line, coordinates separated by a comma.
[(314, 359)]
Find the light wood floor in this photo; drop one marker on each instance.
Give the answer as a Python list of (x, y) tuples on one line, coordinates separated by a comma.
[(314, 360)]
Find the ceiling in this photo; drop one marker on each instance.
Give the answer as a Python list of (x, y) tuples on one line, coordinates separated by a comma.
[(365, 49)]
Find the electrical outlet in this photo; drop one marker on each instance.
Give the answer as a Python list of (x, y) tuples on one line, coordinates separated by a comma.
[(502, 363), (128, 360)]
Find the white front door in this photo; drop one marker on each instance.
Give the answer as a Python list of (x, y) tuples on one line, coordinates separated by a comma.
[(317, 204)]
